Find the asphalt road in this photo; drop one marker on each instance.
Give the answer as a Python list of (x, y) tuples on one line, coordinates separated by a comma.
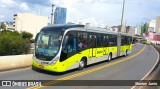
[(133, 67)]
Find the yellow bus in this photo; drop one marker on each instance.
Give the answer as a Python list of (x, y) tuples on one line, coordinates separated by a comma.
[(64, 47)]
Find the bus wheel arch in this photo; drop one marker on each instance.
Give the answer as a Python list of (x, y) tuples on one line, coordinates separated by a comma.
[(83, 63)]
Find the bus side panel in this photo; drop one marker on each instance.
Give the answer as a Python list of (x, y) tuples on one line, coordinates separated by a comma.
[(94, 52), (73, 61), (100, 52), (122, 50), (70, 63), (112, 50), (90, 53), (130, 48)]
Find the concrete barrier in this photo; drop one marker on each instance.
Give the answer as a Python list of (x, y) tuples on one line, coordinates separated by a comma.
[(15, 61)]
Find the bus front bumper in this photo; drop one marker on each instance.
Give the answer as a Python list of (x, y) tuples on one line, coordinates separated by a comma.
[(53, 68)]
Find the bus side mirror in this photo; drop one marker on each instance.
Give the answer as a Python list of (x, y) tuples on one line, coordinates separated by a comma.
[(36, 37)]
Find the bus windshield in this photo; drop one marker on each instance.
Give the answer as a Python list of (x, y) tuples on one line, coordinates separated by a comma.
[(48, 44)]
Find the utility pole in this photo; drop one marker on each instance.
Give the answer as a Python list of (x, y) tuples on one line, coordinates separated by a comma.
[(122, 15), (52, 14), (119, 34)]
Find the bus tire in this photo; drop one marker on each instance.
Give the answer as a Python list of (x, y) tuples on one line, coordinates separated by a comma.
[(109, 57), (82, 64)]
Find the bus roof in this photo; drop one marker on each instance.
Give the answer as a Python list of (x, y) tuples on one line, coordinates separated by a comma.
[(61, 27), (72, 26)]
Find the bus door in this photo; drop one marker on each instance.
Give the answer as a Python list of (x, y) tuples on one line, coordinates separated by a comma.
[(100, 45), (92, 42), (69, 50)]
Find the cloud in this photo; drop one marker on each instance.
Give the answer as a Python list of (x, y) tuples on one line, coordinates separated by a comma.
[(93, 22), (1, 16), (24, 6), (106, 12), (36, 2), (6, 3), (109, 11)]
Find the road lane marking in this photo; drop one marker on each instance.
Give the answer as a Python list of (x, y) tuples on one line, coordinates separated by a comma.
[(88, 71), (149, 70)]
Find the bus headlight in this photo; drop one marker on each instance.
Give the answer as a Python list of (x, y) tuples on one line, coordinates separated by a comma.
[(55, 60)]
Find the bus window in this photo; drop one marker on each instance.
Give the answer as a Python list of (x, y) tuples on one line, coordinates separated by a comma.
[(82, 40), (129, 40), (106, 39), (69, 43), (92, 40), (115, 40), (99, 40), (112, 40), (122, 40), (47, 45)]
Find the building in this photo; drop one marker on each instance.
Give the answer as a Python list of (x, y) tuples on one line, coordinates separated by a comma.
[(154, 38), (115, 28), (60, 15), (138, 30), (131, 30), (29, 22), (151, 29), (157, 29), (9, 25), (152, 24)]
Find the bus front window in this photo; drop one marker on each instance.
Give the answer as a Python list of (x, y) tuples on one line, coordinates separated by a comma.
[(47, 45)]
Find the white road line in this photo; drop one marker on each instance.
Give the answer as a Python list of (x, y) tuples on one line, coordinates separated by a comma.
[(150, 69)]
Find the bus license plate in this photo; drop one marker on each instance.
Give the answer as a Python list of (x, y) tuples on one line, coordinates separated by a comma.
[(41, 66)]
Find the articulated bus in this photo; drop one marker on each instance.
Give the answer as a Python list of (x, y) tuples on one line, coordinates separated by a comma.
[(64, 47)]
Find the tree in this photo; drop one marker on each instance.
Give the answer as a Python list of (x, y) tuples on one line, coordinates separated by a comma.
[(11, 43), (3, 26), (26, 35)]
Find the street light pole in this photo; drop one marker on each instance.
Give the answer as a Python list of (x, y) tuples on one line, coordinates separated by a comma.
[(122, 15), (52, 14), (119, 34)]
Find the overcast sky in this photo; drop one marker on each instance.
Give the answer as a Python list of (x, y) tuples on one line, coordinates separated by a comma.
[(99, 12)]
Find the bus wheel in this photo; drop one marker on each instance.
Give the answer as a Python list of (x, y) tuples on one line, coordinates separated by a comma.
[(126, 53), (109, 57), (82, 64)]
